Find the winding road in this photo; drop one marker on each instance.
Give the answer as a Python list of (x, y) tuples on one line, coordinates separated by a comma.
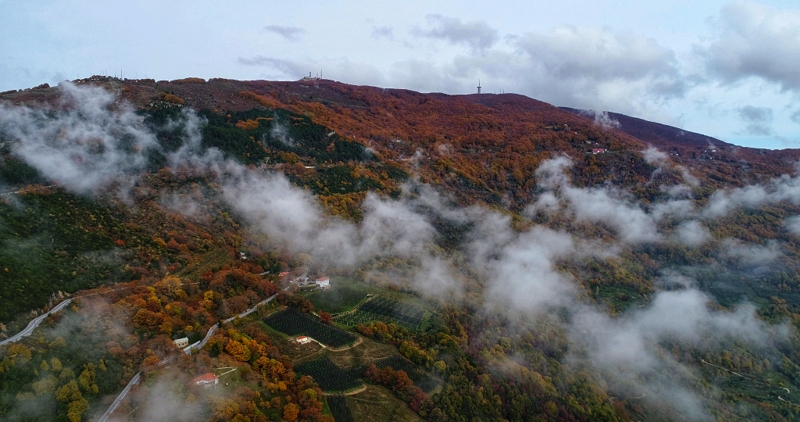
[(135, 380), (199, 344), (35, 323), (188, 350)]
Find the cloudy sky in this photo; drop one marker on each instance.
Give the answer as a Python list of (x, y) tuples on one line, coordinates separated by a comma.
[(726, 69)]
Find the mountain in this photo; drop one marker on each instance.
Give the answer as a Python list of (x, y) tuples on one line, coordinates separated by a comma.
[(681, 143), (491, 257)]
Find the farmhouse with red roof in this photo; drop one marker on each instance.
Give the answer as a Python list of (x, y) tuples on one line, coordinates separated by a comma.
[(206, 380)]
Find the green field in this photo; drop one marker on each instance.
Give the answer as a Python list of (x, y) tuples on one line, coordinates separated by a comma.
[(343, 295)]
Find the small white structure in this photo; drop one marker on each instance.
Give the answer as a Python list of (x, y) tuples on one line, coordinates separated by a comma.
[(302, 340), (323, 282), (206, 380), (181, 342)]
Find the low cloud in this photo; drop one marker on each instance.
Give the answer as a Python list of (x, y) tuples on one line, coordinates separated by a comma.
[(692, 234), (722, 202), (167, 398), (601, 118), (523, 270), (84, 143), (628, 350), (654, 156), (793, 225), (595, 205), (280, 132), (289, 33), (751, 254)]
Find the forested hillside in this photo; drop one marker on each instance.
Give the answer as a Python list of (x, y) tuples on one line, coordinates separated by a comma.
[(490, 257)]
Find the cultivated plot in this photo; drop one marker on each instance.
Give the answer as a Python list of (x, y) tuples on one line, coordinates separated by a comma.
[(293, 322)]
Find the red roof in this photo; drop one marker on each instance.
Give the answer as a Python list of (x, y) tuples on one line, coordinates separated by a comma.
[(209, 377), (283, 274), (323, 279)]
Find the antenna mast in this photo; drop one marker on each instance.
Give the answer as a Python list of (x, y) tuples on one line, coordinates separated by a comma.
[(479, 86)]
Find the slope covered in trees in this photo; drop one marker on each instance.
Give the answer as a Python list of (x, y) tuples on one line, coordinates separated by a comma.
[(568, 269)]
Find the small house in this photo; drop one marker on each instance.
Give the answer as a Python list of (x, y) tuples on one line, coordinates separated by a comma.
[(596, 151), (181, 342), (206, 380), (302, 340), (323, 282)]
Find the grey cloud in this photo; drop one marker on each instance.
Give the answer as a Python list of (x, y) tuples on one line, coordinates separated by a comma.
[(594, 56), (594, 68), (758, 119), (290, 33), (596, 53), (383, 32), (756, 40), (756, 114), (425, 76), (476, 34), (287, 67), (795, 117), (343, 70)]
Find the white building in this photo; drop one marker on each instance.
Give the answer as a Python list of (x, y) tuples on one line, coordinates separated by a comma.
[(302, 340), (181, 342), (206, 380), (323, 282)]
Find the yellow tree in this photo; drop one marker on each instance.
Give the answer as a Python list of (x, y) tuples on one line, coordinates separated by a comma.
[(290, 412)]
